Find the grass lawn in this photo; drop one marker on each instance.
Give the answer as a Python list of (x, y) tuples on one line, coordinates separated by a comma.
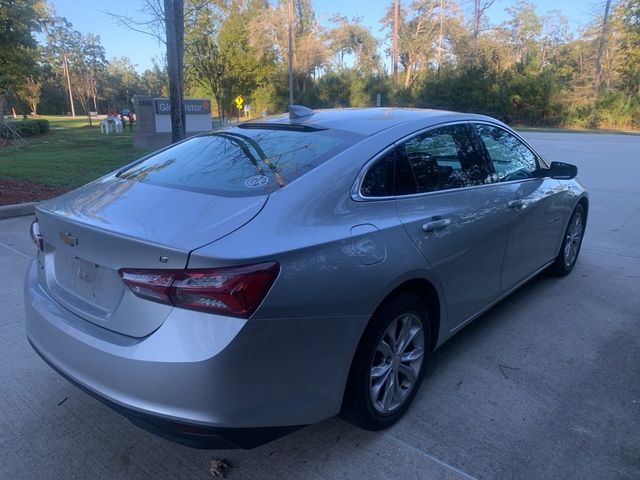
[(70, 155)]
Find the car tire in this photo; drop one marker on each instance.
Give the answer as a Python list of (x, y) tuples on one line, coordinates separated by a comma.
[(389, 364), (571, 243)]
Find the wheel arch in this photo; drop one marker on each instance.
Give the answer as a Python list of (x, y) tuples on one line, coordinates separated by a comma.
[(584, 202), (428, 294)]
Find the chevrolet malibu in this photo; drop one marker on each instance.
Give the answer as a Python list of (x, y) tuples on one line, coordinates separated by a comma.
[(251, 280)]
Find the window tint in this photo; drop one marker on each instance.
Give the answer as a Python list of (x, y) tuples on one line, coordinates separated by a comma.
[(240, 162), (378, 181), (511, 158), (438, 160)]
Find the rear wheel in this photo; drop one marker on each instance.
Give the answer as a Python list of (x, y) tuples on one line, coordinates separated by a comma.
[(571, 243), (389, 364)]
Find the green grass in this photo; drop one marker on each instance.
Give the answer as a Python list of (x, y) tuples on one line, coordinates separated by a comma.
[(69, 155)]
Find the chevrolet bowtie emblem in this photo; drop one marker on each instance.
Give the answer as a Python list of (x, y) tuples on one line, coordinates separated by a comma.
[(69, 239)]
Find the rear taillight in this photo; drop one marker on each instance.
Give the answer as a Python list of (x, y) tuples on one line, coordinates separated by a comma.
[(150, 284), (235, 291), (34, 231)]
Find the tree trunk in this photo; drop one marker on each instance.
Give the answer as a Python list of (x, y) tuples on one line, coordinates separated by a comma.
[(580, 58), (220, 104), (603, 34), (174, 23), (408, 73), (476, 25), (440, 36), (396, 15), (2, 97), (290, 50)]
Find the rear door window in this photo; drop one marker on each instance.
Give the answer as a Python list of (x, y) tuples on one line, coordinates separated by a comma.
[(240, 161)]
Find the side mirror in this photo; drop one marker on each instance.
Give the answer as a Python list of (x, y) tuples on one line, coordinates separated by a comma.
[(562, 171)]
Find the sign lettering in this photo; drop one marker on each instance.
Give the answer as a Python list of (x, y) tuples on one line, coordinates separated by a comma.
[(191, 107)]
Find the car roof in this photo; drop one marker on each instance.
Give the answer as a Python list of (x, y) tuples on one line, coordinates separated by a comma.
[(367, 121)]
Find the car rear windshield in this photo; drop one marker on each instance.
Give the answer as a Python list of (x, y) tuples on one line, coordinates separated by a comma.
[(240, 161)]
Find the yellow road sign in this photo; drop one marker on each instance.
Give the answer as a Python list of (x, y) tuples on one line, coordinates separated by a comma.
[(239, 101)]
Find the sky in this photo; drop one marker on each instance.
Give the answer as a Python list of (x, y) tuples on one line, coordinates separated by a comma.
[(90, 16)]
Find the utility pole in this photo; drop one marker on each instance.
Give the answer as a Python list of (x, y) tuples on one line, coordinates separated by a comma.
[(291, 52), (65, 69), (396, 14)]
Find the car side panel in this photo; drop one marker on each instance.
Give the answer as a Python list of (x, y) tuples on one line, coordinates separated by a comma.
[(534, 228), (467, 254)]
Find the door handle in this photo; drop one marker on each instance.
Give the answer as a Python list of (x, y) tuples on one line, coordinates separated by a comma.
[(516, 204), (436, 225)]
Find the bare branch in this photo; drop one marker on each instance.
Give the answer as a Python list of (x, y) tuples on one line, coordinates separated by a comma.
[(153, 23)]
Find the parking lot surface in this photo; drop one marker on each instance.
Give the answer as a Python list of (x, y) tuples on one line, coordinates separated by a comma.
[(544, 385)]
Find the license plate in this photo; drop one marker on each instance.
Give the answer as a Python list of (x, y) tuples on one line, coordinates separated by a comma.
[(85, 278)]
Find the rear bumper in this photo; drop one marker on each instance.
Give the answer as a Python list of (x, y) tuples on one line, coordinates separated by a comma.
[(195, 436), (202, 379)]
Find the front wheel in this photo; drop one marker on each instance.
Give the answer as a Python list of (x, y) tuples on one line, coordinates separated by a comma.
[(571, 243), (389, 364)]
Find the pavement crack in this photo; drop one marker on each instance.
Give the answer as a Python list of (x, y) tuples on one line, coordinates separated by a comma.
[(503, 367)]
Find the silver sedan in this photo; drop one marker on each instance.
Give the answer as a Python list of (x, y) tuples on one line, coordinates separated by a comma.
[(248, 281)]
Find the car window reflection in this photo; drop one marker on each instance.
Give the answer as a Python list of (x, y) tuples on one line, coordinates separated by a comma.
[(239, 163), (511, 159), (440, 159)]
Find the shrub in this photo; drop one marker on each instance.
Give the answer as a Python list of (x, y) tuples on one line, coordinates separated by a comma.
[(30, 128)]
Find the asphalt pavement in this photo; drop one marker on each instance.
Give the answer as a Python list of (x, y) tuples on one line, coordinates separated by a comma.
[(544, 385)]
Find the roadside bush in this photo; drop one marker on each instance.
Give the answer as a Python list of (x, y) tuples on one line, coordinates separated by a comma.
[(617, 110), (30, 128)]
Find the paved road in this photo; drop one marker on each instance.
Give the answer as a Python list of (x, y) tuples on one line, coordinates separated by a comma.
[(545, 385)]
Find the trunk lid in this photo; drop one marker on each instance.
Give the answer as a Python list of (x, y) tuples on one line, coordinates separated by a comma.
[(92, 232)]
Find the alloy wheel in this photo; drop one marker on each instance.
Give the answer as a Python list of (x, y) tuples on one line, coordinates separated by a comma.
[(396, 363), (572, 240)]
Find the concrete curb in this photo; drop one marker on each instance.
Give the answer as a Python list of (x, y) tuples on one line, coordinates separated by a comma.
[(19, 210)]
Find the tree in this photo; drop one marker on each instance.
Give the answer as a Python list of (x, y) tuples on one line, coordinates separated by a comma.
[(479, 9), (418, 28), (155, 81), (90, 63), (122, 82), (63, 49), (19, 19), (524, 28), (554, 33), (395, 42), (601, 44), (220, 55), (351, 38), (628, 25), (31, 92)]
